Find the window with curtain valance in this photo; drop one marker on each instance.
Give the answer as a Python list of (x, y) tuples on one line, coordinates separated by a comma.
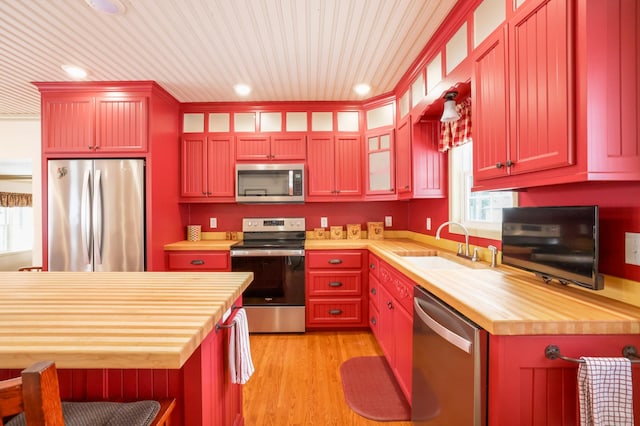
[(15, 199)]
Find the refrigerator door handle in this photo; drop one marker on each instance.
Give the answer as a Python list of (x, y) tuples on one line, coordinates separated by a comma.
[(85, 213), (97, 218)]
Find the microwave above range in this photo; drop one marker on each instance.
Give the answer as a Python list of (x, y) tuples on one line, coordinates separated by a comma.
[(270, 183)]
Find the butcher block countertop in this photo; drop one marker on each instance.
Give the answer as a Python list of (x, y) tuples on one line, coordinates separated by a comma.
[(111, 319), (200, 245), (502, 300)]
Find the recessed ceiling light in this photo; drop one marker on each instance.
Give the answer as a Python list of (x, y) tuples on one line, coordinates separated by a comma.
[(110, 7), (74, 71), (242, 89), (362, 89)]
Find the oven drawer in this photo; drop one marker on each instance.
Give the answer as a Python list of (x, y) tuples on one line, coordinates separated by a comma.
[(198, 261), (334, 259), (330, 283), (334, 312)]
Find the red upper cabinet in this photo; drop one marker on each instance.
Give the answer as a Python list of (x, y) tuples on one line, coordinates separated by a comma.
[(490, 108), (207, 167), (87, 123), (68, 123), (523, 92), (403, 159), (121, 123), (541, 86), (380, 162), (429, 167), (334, 167), (271, 148)]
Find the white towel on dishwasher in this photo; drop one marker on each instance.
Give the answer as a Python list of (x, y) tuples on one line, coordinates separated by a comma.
[(605, 390), (240, 362)]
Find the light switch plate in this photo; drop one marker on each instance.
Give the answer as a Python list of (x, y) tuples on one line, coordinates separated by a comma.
[(632, 248), (213, 222), (388, 221)]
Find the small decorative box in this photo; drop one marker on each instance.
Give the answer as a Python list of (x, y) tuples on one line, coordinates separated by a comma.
[(336, 232), (318, 233), (194, 232), (353, 231), (375, 230)]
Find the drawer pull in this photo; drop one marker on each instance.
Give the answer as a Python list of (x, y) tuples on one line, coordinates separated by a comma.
[(373, 290), (197, 262), (335, 311), (335, 261), (389, 304), (335, 284)]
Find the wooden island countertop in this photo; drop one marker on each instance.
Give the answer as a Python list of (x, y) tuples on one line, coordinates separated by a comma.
[(111, 319)]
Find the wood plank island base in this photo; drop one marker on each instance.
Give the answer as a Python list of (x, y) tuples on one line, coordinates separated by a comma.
[(127, 336)]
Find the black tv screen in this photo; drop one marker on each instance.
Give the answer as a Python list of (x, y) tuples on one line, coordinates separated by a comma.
[(554, 242)]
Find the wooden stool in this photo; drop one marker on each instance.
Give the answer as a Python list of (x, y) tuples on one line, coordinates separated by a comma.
[(34, 400)]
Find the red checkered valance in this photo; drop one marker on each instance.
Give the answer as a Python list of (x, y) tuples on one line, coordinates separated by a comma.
[(456, 133)]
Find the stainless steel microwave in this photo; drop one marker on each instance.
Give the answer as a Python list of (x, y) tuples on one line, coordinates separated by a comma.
[(270, 183)]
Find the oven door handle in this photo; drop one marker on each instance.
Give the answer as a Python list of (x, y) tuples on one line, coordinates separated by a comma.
[(442, 331), (266, 252)]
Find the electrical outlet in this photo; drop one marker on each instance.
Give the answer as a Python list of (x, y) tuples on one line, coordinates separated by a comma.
[(632, 248), (324, 222), (388, 221), (428, 224), (213, 222)]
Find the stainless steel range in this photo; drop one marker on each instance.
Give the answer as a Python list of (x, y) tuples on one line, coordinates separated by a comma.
[(273, 249)]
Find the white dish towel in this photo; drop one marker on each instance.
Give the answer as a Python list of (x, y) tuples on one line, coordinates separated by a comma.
[(605, 390), (240, 362)]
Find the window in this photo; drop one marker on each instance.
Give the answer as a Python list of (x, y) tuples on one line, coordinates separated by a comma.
[(16, 229), (480, 212)]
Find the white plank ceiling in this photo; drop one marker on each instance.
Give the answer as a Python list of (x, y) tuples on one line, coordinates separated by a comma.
[(287, 50)]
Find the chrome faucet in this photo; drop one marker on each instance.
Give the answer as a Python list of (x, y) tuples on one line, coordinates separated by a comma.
[(466, 235)]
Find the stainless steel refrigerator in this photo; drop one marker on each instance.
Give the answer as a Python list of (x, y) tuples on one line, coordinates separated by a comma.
[(96, 215)]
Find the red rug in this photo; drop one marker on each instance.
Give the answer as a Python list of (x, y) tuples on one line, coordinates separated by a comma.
[(371, 390)]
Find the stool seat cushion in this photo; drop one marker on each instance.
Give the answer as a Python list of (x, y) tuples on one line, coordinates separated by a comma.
[(103, 413)]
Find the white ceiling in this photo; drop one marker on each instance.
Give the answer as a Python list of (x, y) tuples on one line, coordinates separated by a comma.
[(287, 50)]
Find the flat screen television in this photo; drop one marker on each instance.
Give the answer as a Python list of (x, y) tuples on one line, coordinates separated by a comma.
[(554, 242)]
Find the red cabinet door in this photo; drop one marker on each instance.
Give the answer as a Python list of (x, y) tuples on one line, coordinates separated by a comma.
[(253, 148), (490, 122), (403, 332), (321, 166), (68, 123), (403, 158), (541, 86), (121, 124), (194, 166), (429, 164), (220, 167), (288, 148), (348, 160)]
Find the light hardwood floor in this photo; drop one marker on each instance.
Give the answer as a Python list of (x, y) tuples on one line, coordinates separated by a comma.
[(297, 379)]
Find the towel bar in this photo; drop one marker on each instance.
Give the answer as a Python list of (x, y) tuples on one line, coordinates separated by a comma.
[(553, 352), (219, 326)]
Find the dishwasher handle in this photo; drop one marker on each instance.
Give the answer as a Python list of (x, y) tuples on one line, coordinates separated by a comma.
[(442, 331)]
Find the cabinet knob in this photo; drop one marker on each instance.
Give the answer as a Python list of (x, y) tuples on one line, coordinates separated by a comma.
[(335, 311), (335, 261), (373, 320), (510, 163), (389, 304), (373, 290), (499, 165), (406, 187), (372, 266), (335, 284)]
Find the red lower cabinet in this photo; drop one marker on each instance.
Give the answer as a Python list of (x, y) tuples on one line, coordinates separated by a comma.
[(526, 388), (335, 285)]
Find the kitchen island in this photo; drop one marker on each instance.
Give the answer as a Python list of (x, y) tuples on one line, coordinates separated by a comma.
[(124, 336)]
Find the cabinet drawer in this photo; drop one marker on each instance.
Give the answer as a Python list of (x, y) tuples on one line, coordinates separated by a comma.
[(198, 261), (334, 259), (330, 283), (398, 286), (335, 311)]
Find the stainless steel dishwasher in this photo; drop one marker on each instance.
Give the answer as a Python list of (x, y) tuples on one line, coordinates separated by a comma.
[(449, 365)]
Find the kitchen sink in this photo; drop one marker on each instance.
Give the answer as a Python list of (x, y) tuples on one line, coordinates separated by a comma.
[(433, 262)]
